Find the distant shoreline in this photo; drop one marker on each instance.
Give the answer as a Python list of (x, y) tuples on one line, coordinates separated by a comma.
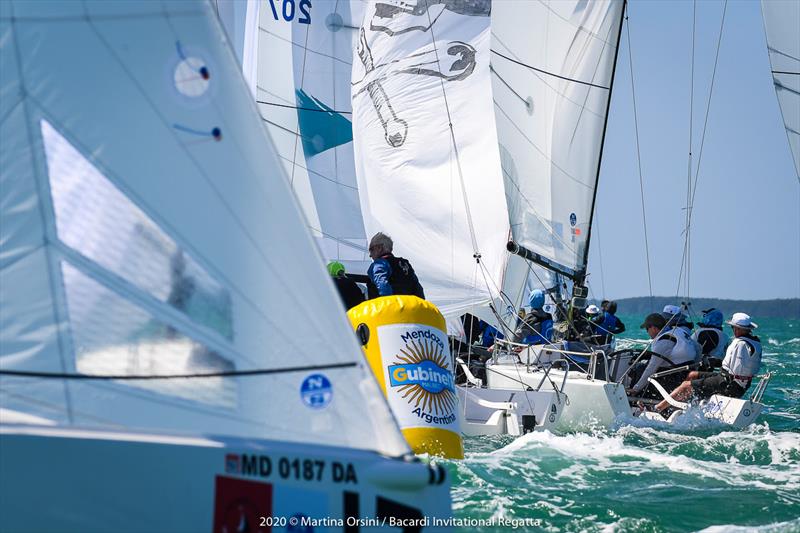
[(775, 308)]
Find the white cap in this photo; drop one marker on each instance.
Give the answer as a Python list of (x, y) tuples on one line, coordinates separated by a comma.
[(742, 320), (672, 310), (592, 310)]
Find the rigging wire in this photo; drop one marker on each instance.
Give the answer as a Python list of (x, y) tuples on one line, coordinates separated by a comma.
[(531, 67), (690, 206), (689, 173), (639, 160), (600, 255), (470, 223)]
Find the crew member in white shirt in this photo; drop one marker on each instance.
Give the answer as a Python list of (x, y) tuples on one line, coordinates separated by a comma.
[(742, 362)]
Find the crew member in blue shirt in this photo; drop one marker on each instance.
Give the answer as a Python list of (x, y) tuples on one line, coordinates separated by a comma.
[(607, 323), (389, 274)]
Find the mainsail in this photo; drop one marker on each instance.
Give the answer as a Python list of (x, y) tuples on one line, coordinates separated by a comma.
[(552, 67), (146, 229), (782, 27)]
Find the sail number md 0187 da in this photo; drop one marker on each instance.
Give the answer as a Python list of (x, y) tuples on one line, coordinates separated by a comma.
[(294, 468)]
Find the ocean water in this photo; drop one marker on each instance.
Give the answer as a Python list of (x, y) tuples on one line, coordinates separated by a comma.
[(700, 476)]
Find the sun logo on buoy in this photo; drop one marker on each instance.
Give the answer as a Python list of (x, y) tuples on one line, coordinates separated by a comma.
[(422, 376)]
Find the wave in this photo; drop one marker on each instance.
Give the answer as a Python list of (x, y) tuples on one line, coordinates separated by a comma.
[(762, 459), (791, 525), (789, 342)]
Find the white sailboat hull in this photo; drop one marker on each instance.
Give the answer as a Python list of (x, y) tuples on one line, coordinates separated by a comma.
[(591, 402), (736, 412), (485, 411), (66, 479)]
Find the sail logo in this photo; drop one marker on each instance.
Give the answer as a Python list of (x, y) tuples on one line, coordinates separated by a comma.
[(316, 391), (427, 374), (451, 61), (420, 373)]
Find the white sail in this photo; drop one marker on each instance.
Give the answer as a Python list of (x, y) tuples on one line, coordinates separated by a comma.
[(148, 229), (303, 61), (426, 154), (782, 27), (552, 68)]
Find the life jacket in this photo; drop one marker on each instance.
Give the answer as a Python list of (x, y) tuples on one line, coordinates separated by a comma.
[(742, 368), (402, 278), (609, 323), (685, 351), (714, 347)]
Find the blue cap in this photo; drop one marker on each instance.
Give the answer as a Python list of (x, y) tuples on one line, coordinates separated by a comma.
[(712, 317), (536, 299)]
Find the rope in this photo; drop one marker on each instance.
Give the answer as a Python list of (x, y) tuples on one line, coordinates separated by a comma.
[(225, 374), (639, 162), (687, 242), (690, 207), (600, 255), (470, 223), (520, 63), (300, 108)]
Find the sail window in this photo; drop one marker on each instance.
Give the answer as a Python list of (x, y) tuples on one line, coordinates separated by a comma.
[(98, 220), (114, 337)]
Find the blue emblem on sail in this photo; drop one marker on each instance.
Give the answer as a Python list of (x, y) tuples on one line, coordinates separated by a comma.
[(316, 391), (321, 128)]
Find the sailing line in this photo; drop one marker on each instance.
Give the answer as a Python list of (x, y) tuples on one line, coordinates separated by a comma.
[(520, 63), (224, 374)]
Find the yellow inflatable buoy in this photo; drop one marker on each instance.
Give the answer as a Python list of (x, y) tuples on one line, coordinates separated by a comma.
[(405, 342)]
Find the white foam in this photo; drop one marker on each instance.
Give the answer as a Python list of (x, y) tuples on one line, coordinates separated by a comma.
[(791, 525), (609, 452)]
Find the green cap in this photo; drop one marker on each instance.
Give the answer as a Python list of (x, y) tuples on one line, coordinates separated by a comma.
[(335, 268)]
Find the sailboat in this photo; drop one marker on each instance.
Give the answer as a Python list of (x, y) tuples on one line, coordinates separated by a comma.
[(302, 84), (171, 354), (482, 226), (782, 34), (474, 216)]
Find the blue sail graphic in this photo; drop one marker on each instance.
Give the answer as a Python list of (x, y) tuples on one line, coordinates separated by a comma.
[(321, 128)]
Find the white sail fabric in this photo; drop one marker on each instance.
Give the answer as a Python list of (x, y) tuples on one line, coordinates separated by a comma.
[(420, 68), (147, 229), (552, 68), (304, 55), (782, 27)]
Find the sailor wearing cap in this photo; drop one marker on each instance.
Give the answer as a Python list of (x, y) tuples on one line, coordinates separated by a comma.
[(742, 362), (711, 338), (743, 357), (671, 347)]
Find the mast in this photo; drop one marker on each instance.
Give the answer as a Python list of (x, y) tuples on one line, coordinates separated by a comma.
[(581, 277)]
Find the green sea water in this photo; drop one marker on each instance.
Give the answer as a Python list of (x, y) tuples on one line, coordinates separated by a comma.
[(640, 476)]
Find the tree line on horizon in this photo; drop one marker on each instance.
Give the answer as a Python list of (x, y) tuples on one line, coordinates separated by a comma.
[(776, 308)]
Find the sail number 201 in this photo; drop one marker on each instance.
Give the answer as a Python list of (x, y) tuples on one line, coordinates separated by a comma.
[(289, 8)]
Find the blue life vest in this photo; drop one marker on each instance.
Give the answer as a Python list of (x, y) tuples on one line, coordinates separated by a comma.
[(490, 333)]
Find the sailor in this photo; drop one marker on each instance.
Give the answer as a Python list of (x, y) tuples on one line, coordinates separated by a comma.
[(675, 317), (672, 347), (584, 324), (607, 323), (535, 327), (711, 338), (742, 362), (349, 292), (389, 274)]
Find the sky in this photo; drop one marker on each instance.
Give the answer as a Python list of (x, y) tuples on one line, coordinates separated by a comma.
[(746, 224)]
